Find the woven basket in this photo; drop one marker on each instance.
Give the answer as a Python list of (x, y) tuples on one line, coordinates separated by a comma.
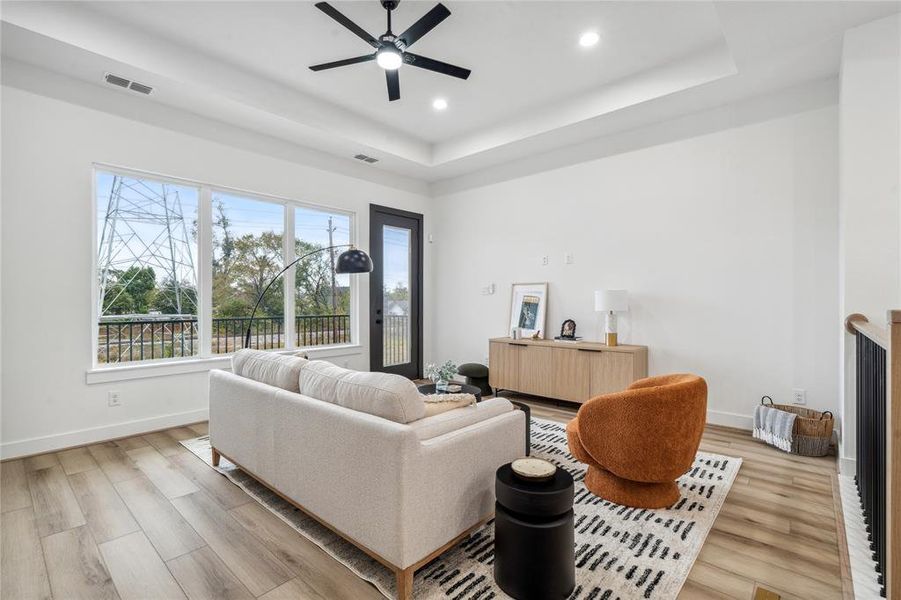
[(812, 432)]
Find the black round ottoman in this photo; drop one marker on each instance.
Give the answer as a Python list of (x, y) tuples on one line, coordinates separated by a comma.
[(476, 375), (534, 536)]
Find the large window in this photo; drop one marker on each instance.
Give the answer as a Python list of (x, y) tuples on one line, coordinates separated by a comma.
[(321, 297), (180, 267), (147, 266), (247, 253)]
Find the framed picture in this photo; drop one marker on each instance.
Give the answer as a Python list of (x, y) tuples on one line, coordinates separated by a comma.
[(528, 308)]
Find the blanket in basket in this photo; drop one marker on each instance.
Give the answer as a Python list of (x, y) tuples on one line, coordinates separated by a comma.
[(774, 426)]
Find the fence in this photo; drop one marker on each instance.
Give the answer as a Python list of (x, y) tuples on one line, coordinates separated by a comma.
[(127, 340)]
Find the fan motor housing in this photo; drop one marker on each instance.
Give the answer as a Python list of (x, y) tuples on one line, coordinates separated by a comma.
[(390, 4)]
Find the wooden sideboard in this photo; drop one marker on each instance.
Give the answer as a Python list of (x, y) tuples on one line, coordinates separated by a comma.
[(572, 371)]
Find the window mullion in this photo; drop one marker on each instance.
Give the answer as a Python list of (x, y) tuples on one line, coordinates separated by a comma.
[(205, 261), (288, 246)]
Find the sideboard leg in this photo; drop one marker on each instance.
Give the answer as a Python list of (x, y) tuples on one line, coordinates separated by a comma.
[(216, 457)]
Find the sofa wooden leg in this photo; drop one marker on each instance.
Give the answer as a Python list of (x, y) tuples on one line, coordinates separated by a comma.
[(405, 583), (216, 457)]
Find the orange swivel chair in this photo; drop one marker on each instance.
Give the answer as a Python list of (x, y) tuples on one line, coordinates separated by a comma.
[(637, 442)]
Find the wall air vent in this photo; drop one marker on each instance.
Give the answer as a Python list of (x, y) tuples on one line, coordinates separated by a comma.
[(367, 159), (127, 83)]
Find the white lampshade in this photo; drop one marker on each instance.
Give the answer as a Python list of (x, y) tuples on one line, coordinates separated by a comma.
[(607, 300)]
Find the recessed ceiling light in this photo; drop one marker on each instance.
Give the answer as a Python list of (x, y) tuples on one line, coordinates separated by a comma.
[(589, 39), (439, 104)]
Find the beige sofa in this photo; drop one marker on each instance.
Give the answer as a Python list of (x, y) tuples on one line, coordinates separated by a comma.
[(354, 451)]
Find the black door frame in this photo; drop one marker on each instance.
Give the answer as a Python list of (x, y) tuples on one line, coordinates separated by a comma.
[(376, 293)]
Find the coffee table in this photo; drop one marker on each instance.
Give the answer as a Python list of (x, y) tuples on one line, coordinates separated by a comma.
[(429, 388)]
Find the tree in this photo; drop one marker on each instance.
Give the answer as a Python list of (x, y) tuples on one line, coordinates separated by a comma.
[(399, 293), (164, 298), (130, 291)]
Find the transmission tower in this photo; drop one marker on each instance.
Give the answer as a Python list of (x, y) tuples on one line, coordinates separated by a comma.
[(144, 226)]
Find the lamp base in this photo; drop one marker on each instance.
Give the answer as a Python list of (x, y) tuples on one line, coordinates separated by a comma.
[(611, 339)]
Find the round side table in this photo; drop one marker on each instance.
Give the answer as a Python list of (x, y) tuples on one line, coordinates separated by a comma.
[(534, 536)]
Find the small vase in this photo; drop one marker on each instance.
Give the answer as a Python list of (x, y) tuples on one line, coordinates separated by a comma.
[(441, 385)]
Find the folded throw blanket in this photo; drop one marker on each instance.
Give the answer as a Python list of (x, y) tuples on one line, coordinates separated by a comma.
[(774, 426)]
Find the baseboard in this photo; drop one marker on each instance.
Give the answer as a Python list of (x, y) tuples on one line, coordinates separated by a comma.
[(847, 466), (730, 419), (61, 441)]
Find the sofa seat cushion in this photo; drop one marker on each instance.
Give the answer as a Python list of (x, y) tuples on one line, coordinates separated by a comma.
[(384, 395), (278, 370)]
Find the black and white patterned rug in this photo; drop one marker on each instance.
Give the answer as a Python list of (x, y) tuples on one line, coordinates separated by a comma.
[(621, 552)]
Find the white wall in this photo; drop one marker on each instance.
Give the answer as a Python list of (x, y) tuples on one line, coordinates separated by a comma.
[(870, 174), (727, 244), (48, 147)]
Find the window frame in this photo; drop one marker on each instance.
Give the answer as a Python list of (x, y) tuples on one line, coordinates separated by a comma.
[(205, 358)]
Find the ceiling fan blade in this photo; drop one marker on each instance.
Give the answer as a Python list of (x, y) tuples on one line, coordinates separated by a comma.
[(343, 63), (423, 62), (393, 84), (425, 24), (336, 15)]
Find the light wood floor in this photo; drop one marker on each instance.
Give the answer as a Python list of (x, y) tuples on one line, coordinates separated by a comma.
[(143, 518)]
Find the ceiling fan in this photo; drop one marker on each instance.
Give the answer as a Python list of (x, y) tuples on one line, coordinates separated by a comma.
[(391, 50)]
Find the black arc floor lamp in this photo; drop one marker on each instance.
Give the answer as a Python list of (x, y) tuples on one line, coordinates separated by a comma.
[(351, 260)]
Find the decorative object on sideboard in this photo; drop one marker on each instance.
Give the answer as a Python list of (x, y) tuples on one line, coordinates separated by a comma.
[(568, 332), (611, 302), (351, 260), (528, 309), (441, 374)]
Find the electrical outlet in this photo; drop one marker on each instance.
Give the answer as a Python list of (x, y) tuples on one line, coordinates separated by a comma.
[(799, 396), (568, 258), (545, 260), (113, 399)]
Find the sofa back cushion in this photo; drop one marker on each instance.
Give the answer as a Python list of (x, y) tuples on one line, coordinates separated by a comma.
[(277, 370), (385, 395)]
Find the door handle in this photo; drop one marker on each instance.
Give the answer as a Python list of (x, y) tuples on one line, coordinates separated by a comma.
[(378, 321)]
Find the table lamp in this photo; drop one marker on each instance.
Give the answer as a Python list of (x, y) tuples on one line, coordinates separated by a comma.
[(611, 302)]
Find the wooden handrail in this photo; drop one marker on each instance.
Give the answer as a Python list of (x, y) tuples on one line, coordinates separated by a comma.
[(856, 322)]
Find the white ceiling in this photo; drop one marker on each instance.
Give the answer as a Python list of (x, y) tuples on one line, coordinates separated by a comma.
[(521, 60), (532, 89)]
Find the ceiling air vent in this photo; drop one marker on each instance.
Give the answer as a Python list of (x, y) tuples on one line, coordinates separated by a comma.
[(140, 87), (127, 83), (116, 80), (367, 159)]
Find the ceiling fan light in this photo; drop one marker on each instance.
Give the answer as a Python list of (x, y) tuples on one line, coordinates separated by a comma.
[(589, 39), (389, 59)]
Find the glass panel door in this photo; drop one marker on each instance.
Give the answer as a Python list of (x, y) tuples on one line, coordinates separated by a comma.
[(396, 292), (396, 254)]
